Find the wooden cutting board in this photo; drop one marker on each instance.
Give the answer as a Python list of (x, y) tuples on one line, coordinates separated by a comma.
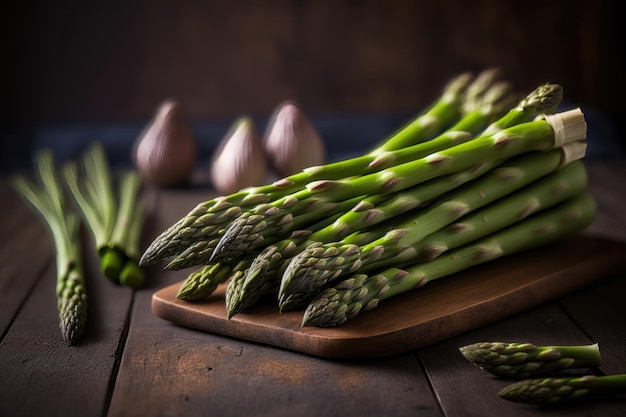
[(439, 310)]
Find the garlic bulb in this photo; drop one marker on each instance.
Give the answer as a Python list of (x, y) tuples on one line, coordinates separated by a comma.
[(291, 141), (239, 160), (166, 151)]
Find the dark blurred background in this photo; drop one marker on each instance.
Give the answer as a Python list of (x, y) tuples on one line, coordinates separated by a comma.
[(82, 70)]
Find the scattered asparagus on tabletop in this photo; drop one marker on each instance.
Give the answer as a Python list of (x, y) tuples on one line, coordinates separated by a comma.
[(524, 360), (535, 135), (208, 218), (344, 300), (540, 177), (48, 200), (555, 390)]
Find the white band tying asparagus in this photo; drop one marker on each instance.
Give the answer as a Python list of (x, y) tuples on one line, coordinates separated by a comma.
[(573, 151), (568, 126)]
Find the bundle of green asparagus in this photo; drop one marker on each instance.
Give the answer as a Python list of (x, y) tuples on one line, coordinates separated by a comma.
[(472, 178)]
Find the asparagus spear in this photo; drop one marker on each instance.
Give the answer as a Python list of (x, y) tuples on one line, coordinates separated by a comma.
[(200, 284), (536, 175), (48, 201), (344, 300), (524, 360), (208, 217), (559, 390), (543, 99), (535, 135)]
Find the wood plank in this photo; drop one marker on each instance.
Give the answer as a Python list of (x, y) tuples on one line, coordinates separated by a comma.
[(606, 184), (167, 370), (464, 389), (37, 364), (441, 309), (23, 261), (600, 312)]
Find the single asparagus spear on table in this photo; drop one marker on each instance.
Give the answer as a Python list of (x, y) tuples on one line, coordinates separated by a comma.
[(344, 300), (48, 201), (535, 135), (524, 360), (554, 390), (206, 219), (530, 182)]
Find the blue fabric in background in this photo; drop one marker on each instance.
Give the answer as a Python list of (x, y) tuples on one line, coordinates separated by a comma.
[(344, 136)]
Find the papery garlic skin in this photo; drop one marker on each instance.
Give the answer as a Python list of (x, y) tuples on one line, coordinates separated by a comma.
[(291, 141), (239, 161), (166, 152)]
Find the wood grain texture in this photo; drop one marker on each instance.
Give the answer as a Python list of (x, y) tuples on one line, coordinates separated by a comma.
[(600, 312), (439, 310), (70, 380), (29, 241), (193, 373)]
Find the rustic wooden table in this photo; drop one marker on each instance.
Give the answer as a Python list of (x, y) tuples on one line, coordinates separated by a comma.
[(132, 363)]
